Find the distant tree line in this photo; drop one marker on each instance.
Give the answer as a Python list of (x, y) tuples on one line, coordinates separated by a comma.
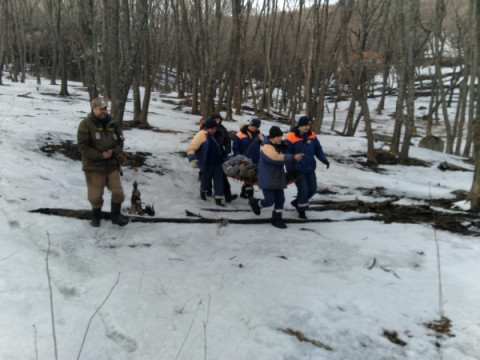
[(284, 57)]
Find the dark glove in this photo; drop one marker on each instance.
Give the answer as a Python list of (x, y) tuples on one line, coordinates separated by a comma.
[(327, 164)]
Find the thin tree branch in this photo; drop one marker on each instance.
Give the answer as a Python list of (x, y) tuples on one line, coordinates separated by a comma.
[(52, 315), (188, 332), (95, 313)]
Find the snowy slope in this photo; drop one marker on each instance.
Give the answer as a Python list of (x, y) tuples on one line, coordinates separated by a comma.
[(193, 291)]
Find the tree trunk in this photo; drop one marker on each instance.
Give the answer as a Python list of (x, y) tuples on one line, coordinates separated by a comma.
[(414, 14), (147, 78), (400, 57), (472, 77), (122, 47), (87, 19), (348, 128), (475, 189)]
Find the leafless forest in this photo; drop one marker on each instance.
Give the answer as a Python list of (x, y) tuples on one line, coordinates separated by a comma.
[(280, 57)]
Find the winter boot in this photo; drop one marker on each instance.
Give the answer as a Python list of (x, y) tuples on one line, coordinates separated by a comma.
[(230, 197), (96, 217), (117, 217), (218, 202), (203, 195), (294, 203), (249, 192), (277, 220), (254, 204), (301, 215)]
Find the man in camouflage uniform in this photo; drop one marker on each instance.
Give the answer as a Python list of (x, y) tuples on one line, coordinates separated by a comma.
[(100, 141)]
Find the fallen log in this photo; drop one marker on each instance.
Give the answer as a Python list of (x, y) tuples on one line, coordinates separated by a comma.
[(191, 219), (446, 166), (385, 211)]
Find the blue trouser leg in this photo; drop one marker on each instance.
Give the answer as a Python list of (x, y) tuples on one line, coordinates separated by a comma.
[(306, 188), (302, 192), (215, 173), (273, 197), (218, 181), (206, 179), (312, 184)]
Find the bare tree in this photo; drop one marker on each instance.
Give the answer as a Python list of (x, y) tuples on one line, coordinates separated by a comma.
[(143, 71), (123, 30), (358, 60), (405, 24), (472, 75), (475, 189), (86, 19), (234, 81), (193, 50), (409, 53), (3, 35)]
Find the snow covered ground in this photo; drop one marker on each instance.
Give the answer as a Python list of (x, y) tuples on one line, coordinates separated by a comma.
[(235, 292)]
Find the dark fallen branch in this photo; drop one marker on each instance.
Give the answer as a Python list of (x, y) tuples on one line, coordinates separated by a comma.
[(192, 218), (446, 166), (453, 221), (373, 264), (385, 211), (384, 268), (224, 210), (299, 335)]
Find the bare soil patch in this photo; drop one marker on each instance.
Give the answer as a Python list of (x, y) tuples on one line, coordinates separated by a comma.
[(135, 161)]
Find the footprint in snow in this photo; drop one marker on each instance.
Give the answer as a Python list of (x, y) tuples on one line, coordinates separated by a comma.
[(116, 335)]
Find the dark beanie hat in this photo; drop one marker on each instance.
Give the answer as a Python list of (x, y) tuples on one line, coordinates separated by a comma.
[(275, 131), (216, 115), (304, 120), (255, 122), (210, 123)]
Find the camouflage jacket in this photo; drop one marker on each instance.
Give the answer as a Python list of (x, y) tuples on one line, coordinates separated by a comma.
[(95, 137)]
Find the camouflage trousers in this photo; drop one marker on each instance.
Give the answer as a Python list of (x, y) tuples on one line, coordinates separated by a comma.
[(96, 183)]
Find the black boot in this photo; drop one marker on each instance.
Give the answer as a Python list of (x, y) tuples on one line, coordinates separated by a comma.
[(301, 215), (294, 203), (249, 192), (219, 202), (203, 195), (254, 204), (230, 197), (96, 217), (277, 220), (117, 217)]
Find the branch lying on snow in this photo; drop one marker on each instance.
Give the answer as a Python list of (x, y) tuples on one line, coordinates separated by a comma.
[(448, 166), (95, 313), (384, 268), (9, 256), (192, 218), (50, 292), (385, 211), (299, 335)]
